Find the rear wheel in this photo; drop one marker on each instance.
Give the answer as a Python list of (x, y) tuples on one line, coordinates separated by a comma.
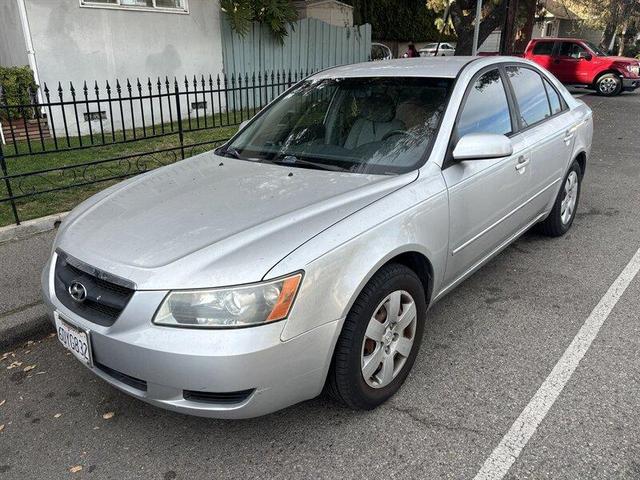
[(380, 339), (608, 85), (564, 209)]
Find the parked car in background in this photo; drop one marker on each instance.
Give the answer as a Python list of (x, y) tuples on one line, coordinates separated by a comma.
[(379, 51), (578, 62), (304, 253), (430, 49)]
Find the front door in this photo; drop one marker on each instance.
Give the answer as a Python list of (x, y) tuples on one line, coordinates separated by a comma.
[(569, 64), (485, 196)]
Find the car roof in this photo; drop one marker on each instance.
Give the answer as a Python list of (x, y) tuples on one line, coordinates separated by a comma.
[(558, 39), (440, 67)]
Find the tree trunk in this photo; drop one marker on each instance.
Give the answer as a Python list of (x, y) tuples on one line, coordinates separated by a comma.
[(612, 25), (525, 34), (507, 36)]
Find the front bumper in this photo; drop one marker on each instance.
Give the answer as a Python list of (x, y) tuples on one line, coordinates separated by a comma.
[(164, 366), (630, 84)]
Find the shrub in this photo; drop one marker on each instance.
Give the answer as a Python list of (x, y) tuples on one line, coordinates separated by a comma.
[(18, 88)]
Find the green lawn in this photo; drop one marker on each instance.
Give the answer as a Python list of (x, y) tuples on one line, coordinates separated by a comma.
[(167, 149)]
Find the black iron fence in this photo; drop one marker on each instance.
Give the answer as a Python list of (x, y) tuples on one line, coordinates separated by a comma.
[(67, 138)]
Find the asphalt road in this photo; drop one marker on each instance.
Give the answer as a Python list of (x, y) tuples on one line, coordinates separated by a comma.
[(488, 347)]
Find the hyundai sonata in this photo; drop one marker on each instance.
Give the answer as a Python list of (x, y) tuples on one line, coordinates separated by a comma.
[(304, 253)]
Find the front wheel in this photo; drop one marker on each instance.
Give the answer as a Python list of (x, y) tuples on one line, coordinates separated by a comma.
[(380, 339), (609, 85), (564, 209)]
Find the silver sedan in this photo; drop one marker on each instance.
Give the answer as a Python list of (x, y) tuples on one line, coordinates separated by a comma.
[(304, 254)]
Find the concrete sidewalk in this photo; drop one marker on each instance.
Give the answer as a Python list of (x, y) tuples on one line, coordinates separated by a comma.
[(22, 314)]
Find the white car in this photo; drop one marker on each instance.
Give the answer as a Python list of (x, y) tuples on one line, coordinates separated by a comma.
[(444, 50)]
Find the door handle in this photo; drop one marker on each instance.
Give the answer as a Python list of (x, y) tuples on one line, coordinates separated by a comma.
[(522, 162), (568, 135)]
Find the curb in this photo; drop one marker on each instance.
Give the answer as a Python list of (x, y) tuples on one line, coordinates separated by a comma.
[(19, 326), (30, 227)]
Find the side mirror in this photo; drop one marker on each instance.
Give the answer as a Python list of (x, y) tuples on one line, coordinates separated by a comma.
[(243, 124), (482, 146)]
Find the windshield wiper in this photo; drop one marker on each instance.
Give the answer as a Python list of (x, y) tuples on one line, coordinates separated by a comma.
[(231, 152), (294, 161)]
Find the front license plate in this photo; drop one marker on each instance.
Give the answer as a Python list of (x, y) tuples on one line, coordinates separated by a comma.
[(75, 339)]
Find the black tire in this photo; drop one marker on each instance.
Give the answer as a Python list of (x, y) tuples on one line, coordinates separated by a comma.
[(345, 382), (553, 225), (608, 85)]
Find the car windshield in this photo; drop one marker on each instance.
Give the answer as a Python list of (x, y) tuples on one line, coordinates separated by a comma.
[(361, 125), (596, 49)]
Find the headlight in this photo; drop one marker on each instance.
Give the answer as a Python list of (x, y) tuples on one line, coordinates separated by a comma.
[(634, 69), (243, 306)]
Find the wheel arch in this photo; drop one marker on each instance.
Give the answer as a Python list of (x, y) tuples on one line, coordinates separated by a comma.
[(581, 158), (605, 72)]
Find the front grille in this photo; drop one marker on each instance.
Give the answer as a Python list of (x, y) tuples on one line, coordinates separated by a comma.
[(226, 398), (123, 377), (104, 300)]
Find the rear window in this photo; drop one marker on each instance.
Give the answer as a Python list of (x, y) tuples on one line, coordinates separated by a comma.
[(543, 48), (530, 95)]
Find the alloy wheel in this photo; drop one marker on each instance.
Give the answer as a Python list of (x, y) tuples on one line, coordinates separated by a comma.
[(570, 199), (608, 85), (388, 339)]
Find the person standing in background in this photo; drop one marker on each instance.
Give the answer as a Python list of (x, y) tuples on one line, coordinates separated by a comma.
[(411, 51)]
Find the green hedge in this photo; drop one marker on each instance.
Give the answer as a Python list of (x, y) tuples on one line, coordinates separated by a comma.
[(16, 82)]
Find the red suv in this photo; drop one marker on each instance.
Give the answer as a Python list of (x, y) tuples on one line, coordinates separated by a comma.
[(579, 62)]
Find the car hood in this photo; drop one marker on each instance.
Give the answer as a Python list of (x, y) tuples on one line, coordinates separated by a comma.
[(212, 221), (625, 60)]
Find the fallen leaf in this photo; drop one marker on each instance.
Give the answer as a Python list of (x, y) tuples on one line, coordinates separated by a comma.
[(30, 367), (108, 415), (96, 428), (57, 415), (1, 427), (75, 469), (14, 365), (40, 373), (3, 402)]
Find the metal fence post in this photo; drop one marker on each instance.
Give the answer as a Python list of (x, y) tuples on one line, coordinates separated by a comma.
[(12, 202), (179, 118)]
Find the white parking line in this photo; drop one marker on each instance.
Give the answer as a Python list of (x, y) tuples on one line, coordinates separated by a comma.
[(511, 445)]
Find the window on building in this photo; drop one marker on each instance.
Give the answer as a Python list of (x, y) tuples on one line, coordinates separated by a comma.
[(486, 109), (164, 5)]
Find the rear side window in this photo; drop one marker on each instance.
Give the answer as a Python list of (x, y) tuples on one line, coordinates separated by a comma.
[(554, 99), (486, 109), (530, 95), (543, 48)]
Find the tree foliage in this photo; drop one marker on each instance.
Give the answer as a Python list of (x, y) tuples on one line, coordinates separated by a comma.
[(397, 20), (275, 14), (17, 87), (463, 14)]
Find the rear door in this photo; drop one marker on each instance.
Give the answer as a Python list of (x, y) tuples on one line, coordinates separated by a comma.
[(486, 197), (545, 122), (542, 53)]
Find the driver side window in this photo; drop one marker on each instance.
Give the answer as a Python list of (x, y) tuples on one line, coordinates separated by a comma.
[(486, 109), (572, 50)]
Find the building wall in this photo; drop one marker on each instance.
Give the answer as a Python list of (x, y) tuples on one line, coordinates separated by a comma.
[(74, 43), (332, 13), (78, 44), (13, 51)]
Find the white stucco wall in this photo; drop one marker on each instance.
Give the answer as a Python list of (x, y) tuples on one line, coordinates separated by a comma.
[(12, 48), (74, 44)]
